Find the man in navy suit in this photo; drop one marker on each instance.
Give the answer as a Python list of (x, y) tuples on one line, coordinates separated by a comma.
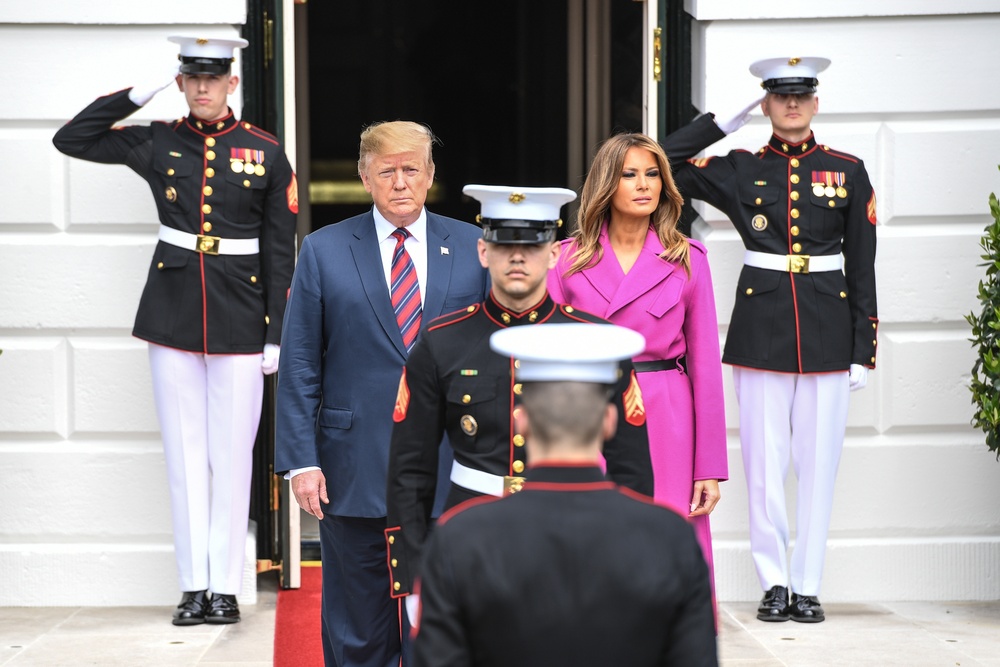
[(343, 352)]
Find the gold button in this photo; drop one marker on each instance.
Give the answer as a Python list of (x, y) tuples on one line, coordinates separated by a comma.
[(793, 195), (395, 562), (220, 125), (758, 200), (253, 279), (568, 309), (210, 142), (796, 247), (794, 230), (875, 343), (198, 123), (805, 146), (784, 147), (532, 316), (874, 325), (267, 319), (506, 318), (794, 213), (794, 178), (519, 440), (517, 412), (208, 190), (794, 162), (749, 291), (832, 204), (843, 295), (170, 172), (209, 155), (466, 399), (246, 125), (246, 184), (470, 309), (392, 539), (207, 226), (517, 388), (396, 586), (206, 209), (518, 466), (517, 363), (159, 265), (873, 360), (210, 172)]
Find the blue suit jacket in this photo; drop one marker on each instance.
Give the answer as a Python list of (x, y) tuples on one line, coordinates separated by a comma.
[(342, 354)]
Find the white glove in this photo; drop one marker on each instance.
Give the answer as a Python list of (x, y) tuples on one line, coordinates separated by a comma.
[(144, 92), (412, 602), (270, 362), (859, 377), (739, 120)]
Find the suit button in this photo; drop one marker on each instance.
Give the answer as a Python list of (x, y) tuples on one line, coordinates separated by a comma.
[(170, 172), (207, 226), (873, 360), (874, 343), (246, 184), (568, 309), (210, 172), (749, 291), (394, 562), (210, 155), (793, 195), (874, 325), (206, 209), (796, 247), (517, 412), (518, 466), (832, 203), (208, 190), (396, 586), (517, 389), (519, 440), (159, 265), (794, 162), (757, 201), (466, 399), (794, 213), (253, 279), (392, 539), (210, 142), (794, 178), (843, 295), (267, 319), (794, 230)]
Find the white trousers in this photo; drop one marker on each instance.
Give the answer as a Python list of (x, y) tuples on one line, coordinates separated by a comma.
[(209, 410), (803, 418)]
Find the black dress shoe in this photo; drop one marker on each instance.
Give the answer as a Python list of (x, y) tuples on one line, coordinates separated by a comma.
[(191, 610), (806, 609), (774, 605), (223, 609)]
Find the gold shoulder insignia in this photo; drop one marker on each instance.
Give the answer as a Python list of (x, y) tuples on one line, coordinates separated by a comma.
[(635, 411)]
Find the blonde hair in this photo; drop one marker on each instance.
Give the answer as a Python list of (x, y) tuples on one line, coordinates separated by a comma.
[(396, 136), (599, 189)]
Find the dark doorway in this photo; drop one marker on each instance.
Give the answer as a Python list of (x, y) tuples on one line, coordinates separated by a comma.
[(488, 78)]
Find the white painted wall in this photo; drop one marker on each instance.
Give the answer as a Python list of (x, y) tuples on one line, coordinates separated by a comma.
[(85, 515), (917, 509)]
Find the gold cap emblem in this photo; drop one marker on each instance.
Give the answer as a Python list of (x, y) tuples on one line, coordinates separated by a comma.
[(516, 198)]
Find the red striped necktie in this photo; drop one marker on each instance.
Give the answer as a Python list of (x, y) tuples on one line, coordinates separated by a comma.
[(405, 291)]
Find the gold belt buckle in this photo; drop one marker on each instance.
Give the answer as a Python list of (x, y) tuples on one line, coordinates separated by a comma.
[(208, 244), (512, 484), (798, 263)]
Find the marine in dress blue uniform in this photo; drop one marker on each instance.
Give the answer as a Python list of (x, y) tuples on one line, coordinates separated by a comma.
[(454, 383), (213, 302), (804, 326), (573, 569)]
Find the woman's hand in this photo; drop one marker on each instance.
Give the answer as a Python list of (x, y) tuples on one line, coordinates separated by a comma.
[(705, 498)]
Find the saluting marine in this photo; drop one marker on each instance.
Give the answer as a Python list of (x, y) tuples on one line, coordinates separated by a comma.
[(213, 303), (803, 328), (454, 383)]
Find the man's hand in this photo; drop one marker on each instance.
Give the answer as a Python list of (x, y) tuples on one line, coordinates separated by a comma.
[(269, 364), (859, 377), (142, 93), (705, 497), (310, 492), (730, 125)]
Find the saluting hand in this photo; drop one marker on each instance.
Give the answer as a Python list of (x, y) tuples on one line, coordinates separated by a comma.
[(705, 497), (310, 492)]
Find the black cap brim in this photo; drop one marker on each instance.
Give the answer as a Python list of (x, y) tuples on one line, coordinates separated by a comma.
[(514, 232), (205, 65), (791, 86)]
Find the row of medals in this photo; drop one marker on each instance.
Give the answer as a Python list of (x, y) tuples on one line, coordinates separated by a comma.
[(819, 190), (251, 168)]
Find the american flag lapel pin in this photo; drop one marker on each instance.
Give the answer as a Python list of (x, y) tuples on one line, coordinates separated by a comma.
[(444, 251)]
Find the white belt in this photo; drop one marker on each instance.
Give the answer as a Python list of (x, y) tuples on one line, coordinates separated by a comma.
[(484, 482), (793, 263), (210, 245)]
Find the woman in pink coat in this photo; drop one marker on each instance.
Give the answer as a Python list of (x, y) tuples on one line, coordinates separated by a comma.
[(627, 262)]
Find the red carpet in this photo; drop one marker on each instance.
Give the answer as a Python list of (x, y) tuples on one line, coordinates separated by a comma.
[(297, 639)]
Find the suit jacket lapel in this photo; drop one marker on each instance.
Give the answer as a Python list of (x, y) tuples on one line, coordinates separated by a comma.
[(365, 249), (439, 264)]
